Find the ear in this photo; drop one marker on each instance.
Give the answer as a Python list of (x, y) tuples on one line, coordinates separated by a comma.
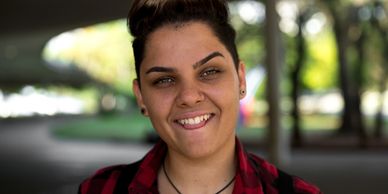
[(139, 98), (242, 81)]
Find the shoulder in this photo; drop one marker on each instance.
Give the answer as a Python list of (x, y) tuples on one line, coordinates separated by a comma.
[(112, 178), (295, 184), (281, 180), (303, 187)]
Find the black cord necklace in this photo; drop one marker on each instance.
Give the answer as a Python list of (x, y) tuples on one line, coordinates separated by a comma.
[(176, 189)]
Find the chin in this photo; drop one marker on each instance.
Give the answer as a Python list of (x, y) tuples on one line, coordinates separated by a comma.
[(206, 149), (199, 152)]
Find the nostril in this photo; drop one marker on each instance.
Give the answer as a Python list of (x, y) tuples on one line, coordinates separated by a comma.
[(190, 97)]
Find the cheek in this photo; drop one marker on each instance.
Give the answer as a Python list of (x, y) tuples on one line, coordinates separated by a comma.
[(225, 95), (158, 103), (227, 88)]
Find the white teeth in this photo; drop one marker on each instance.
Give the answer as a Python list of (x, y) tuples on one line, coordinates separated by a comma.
[(195, 120), (191, 121)]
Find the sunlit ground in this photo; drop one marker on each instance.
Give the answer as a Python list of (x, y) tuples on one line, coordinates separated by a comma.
[(32, 101)]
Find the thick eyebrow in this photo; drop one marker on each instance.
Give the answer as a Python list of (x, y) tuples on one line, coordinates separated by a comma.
[(160, 69), (195, 65), (207, 58)]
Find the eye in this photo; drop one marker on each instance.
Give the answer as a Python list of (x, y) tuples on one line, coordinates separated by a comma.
[(209, 73), (164, 82)]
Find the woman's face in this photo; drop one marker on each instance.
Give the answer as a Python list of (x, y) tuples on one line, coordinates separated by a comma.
[(190, 89)]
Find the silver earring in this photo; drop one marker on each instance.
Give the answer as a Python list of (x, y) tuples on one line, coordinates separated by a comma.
[(242, 92)]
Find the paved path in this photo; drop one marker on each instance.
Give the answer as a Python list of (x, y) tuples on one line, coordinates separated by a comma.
[(344, 172), (33, 162)]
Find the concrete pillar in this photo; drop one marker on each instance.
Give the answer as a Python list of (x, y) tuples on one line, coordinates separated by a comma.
[(278, 152)]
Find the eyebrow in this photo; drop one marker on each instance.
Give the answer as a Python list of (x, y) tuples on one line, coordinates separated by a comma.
[(195, 65), (207, 58), (160, 69)]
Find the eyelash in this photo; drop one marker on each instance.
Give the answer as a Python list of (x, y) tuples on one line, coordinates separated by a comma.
[(208, 73), (163, 81)]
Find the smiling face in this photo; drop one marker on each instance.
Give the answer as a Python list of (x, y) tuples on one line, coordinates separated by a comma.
[(190, 89)]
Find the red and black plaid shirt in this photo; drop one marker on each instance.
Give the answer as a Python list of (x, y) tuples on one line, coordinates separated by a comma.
[(254, 176)]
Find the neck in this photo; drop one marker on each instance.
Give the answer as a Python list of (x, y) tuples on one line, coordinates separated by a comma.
[(202, 175)]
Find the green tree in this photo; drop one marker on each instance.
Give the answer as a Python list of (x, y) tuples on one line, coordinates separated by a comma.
[(381, 26), (344, 16)]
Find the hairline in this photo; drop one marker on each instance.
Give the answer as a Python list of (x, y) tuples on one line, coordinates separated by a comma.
[(180, 24)]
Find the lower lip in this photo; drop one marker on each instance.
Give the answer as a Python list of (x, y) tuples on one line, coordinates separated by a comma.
[(196, 126)]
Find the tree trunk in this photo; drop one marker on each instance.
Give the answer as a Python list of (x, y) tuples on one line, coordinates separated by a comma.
[(340, 27), (342, 44), (382, 31), (297, 139), (379, 119), (358, 122)]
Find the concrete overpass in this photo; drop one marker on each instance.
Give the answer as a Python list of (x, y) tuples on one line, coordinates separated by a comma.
[(26, 26)]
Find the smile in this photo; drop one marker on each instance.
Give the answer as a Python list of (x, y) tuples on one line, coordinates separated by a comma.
[(195, 120)]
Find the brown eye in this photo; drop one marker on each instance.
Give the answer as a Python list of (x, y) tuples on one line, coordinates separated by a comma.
[(209, 73), (164, 82)]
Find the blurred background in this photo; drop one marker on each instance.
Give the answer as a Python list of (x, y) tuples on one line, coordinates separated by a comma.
[(67, 109)]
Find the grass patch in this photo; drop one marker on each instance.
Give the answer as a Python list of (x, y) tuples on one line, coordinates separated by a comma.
[(115, 126), (251, 133), (320, 122)]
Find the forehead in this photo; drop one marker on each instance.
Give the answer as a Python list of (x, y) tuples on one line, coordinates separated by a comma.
[(181, 44)]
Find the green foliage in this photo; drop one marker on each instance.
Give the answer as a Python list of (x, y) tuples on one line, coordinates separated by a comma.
[(375, 66), (249, 41), (320, 72), (104, 51), (251, 52)]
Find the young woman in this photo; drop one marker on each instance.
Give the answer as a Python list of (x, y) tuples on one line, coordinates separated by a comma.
[(189, 83)]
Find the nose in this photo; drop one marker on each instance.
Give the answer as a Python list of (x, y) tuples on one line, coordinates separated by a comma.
[(189, 95)]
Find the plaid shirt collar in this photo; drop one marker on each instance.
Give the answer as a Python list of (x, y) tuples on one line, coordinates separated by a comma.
[(249, 177)]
